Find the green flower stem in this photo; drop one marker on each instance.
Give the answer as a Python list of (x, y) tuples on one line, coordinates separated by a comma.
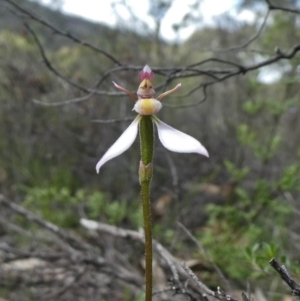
[(145, 176)]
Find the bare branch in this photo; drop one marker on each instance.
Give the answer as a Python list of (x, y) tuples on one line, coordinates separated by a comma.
[(276, 7), (49, 226), (215, 266), (241, 70), (203, 288), (215, 74), (63, 103), (251, 40), (79, 251), (62, 33), (194, 104), (91, 91), (172, 262), (282, 271), (66, 79)]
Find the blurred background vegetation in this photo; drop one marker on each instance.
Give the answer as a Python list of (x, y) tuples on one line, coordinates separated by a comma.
[(241, 204)]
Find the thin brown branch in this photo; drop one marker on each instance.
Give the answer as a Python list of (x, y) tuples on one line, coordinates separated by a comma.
[(203, 288), (62, 33), (63, 103), (172, 262), (219, 294), (177, 73), (91, 90), (217, 60), (287, 9), (60, 75), (193, 104), (282, 271), (251, 40), (20, 254), (69, 284), (216, 75), (74, 242), (79, 251), (280, 55), (201, 248)]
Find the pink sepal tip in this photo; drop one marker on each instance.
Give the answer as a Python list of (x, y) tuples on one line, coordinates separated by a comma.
[(146, 73)]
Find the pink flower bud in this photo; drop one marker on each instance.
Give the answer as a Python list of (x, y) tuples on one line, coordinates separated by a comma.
[(146, 73)]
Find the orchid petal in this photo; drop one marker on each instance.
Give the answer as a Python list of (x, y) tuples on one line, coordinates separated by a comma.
[(177, 141), (161, 96), (122, 144), (126, 91)]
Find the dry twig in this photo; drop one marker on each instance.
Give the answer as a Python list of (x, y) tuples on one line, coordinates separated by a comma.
[(282, 271)]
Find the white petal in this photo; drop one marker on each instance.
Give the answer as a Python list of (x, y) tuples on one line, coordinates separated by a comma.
[(177, 141), (122, 144)]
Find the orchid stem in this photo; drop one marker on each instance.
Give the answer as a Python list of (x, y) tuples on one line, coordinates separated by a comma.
[(145, 176)]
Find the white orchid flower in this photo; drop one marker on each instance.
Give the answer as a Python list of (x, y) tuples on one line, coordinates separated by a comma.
[(170, 138)]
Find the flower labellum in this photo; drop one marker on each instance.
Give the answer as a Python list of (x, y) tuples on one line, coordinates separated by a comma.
[(147, 105)]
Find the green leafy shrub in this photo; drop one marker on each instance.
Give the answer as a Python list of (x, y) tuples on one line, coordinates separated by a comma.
[(244, 233), (60, 206), (56, 205)]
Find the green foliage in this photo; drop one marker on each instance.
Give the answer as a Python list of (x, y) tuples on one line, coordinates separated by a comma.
[(113, 212), (252, 107), (247, 225), (277, 109), (264, 151), (11, 42), (237, 174), (245, 135), (139, 297), (237, 226), (95, 204), (254, 136), (136, 215), (163, 234), (60, 206), (260, 253), (128, 296), (54, 204), (290, 179), (280, 32), (52, 151)]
